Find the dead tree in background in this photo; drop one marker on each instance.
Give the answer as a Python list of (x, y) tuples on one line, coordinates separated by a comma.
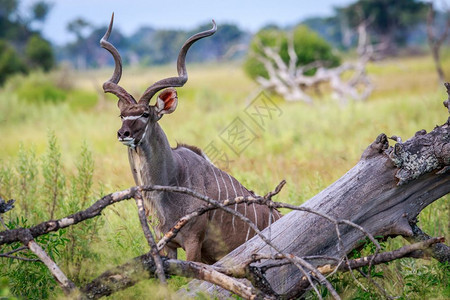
[(290, 81), (435, 39)]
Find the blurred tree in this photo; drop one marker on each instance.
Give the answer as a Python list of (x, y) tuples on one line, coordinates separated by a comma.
[(390, 20), (436, 39), (85, 51), (141, 45), (270, 26), (329, 28), (40, 10), (224, 44), (11, 28), (10, 62), (22, 46), (96, 55), (165, 45), (39, 53), (79, 27), (309, 47), (149, 46), (162, 46), (8, 7)]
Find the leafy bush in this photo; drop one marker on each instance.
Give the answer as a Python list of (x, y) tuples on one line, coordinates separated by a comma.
[(40, 196), (37, 88), (308, 46), (39, 53), (40, 88), (10, 62)]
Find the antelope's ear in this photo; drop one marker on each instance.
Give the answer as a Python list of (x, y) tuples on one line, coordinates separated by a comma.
[(167, 102)]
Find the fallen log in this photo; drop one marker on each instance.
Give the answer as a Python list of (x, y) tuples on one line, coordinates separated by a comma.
[(384, 193)]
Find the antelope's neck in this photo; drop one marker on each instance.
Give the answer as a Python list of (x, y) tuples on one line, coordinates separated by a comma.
[(152, 161)]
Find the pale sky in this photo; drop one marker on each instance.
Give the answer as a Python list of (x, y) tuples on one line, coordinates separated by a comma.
[(176, 14)]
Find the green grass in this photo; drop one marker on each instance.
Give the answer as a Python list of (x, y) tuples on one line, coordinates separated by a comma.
[(309, 146)]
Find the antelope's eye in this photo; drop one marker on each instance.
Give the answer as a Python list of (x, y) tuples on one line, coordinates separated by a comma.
[(145, 115), (120, 116)]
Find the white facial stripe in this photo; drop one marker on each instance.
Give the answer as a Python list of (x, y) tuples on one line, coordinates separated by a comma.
[(140, 118), (131, 118)]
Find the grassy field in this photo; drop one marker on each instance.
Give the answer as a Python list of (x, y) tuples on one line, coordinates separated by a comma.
[(309, 146)]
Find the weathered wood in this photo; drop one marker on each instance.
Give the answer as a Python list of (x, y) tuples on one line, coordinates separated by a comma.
[(383, 193), (64, 282)]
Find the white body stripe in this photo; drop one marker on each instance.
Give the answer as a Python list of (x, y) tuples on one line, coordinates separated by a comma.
[(218, 186), (235, 205), (245, 213), (256, 216), (226, 196)]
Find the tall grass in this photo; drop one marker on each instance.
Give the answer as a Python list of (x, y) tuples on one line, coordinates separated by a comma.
[(309, 146)]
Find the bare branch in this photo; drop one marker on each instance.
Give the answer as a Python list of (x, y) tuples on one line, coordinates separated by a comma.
[(384, 257), (13, 235), (20, 258), (143, 267), (151, 241), (15, 250), (66, 285), (8, 255)]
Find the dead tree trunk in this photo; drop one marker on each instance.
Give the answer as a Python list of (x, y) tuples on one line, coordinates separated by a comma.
[(384, 193)]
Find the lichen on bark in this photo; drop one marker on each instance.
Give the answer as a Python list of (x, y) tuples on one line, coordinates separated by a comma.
[(422, 154)]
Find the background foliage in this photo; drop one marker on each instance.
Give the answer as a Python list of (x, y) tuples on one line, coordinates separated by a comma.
[(21, 47), (308, 45)]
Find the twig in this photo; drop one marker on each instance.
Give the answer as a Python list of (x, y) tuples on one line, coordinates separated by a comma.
[(405, 251), (11, 236), (16, 250), (20, 258), (151, 241)]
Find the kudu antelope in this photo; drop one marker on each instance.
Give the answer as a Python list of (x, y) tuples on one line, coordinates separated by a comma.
[(154, 162)]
